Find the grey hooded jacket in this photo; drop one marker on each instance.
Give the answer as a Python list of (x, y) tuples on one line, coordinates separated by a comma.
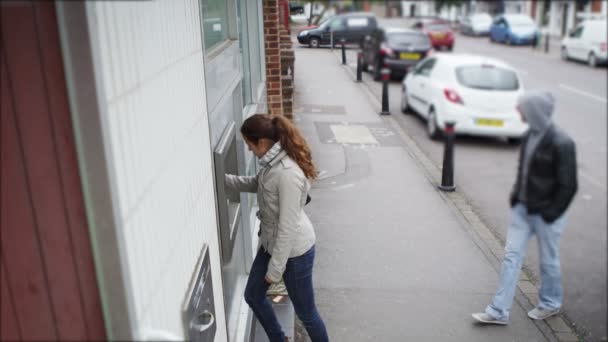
[(286, 230), (547, 175)]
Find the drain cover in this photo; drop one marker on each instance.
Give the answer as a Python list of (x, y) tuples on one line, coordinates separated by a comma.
[(353, 134)]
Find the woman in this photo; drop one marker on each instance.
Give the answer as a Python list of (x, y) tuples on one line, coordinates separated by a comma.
[(287, 235)]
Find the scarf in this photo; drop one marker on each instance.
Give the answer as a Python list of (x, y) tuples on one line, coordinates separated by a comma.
[(269, 156)]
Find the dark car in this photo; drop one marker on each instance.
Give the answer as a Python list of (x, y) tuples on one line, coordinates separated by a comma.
[(296, 8), (353, 27), (439, 32), (395, 48)]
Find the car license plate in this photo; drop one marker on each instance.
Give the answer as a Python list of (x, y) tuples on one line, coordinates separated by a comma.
[(438, 35), (489, 122), (408, 55)]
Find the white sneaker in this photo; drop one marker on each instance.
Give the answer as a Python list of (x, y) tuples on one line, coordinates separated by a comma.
[(538, 313), (488, 319)]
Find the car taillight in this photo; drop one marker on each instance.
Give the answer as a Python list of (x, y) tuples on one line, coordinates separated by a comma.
[(603, 46), (386, 51), (452, 96)]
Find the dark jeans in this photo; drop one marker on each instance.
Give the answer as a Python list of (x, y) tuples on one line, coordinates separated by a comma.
[(298, 280)]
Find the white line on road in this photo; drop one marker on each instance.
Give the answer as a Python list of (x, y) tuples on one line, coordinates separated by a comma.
[(578, 91), (591, 180)]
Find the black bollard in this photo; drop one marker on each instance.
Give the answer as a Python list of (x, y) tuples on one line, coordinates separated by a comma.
[(546, 42), (359, 67), (343, 51), (386, 75), (447, 174)]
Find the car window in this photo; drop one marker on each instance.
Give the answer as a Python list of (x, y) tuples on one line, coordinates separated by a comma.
[(426, 67), (577, 33), (487, 77), (404, 38), (336, 24), (438, 27), (520, 21), (357, 22)]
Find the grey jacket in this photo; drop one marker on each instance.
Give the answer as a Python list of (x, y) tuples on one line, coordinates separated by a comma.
[(286, 231)]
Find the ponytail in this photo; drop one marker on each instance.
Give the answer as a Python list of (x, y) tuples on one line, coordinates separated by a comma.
[(279, 128), (295, 145)]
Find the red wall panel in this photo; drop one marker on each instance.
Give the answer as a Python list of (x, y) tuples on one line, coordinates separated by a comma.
[(47, 261)]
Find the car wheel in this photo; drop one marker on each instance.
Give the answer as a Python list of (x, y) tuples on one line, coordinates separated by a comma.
[(314, 42), (564, 53), (492, 39), (450, 47), (592, 60), (508, 41), (431, 126), (405, 106)]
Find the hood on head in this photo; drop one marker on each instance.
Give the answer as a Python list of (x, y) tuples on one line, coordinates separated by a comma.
[(537, 108)]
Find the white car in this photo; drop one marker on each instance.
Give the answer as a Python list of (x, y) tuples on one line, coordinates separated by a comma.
[(477, 93), (587, 43), (476, 24)]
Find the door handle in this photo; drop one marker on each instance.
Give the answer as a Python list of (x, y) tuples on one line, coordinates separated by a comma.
[(202, 321)]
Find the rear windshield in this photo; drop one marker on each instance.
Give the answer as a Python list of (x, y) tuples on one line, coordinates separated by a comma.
[(520, 21), (416, 39), (487, 77), (482, 18), (438, 27)]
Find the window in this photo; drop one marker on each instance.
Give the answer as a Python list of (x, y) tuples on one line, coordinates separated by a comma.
[(215, 22), (487, 77), (577, 33), (426, 67), (357, 22), (336, 24), (242, 21)]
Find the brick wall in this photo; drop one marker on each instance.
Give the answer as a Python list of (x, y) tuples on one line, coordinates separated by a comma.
[(273, 57)]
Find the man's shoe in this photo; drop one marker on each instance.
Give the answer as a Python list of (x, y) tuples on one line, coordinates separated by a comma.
[(488, 319), (538, 313)]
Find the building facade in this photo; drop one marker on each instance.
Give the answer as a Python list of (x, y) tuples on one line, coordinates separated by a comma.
[(559, 17), (123, 119)]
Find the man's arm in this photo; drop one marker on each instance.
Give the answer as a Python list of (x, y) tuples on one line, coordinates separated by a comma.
[(566, 181)]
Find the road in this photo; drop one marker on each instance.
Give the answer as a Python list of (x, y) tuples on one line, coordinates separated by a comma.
[(486, 168)]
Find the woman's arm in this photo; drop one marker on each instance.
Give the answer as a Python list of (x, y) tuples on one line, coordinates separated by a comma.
[(241, 183)]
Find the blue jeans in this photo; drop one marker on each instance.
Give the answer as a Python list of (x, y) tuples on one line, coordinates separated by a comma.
[(521, 229), (298, 280)]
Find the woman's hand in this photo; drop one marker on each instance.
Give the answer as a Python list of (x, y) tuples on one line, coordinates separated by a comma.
[(268, 281)]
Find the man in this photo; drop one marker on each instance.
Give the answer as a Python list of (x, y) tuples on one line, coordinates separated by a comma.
[(546, 183)]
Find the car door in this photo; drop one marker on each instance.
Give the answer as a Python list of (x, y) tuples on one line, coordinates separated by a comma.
[(336, 28), (418, 86), (356, 29), (575, 44), (497, 28)]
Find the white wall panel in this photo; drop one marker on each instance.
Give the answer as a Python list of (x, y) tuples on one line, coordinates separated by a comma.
[(151, 68)]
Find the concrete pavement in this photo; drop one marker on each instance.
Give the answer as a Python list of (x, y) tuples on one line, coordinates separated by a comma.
[(396, 259)]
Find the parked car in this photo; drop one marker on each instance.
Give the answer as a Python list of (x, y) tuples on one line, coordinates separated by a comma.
[(476, 24), (587, 42), (514, 29), (396, 48), (295, 8), (353, 27), (438, 31), (478, 93)]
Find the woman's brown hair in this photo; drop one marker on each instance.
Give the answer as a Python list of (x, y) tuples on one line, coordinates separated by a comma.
[(279, 128)]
